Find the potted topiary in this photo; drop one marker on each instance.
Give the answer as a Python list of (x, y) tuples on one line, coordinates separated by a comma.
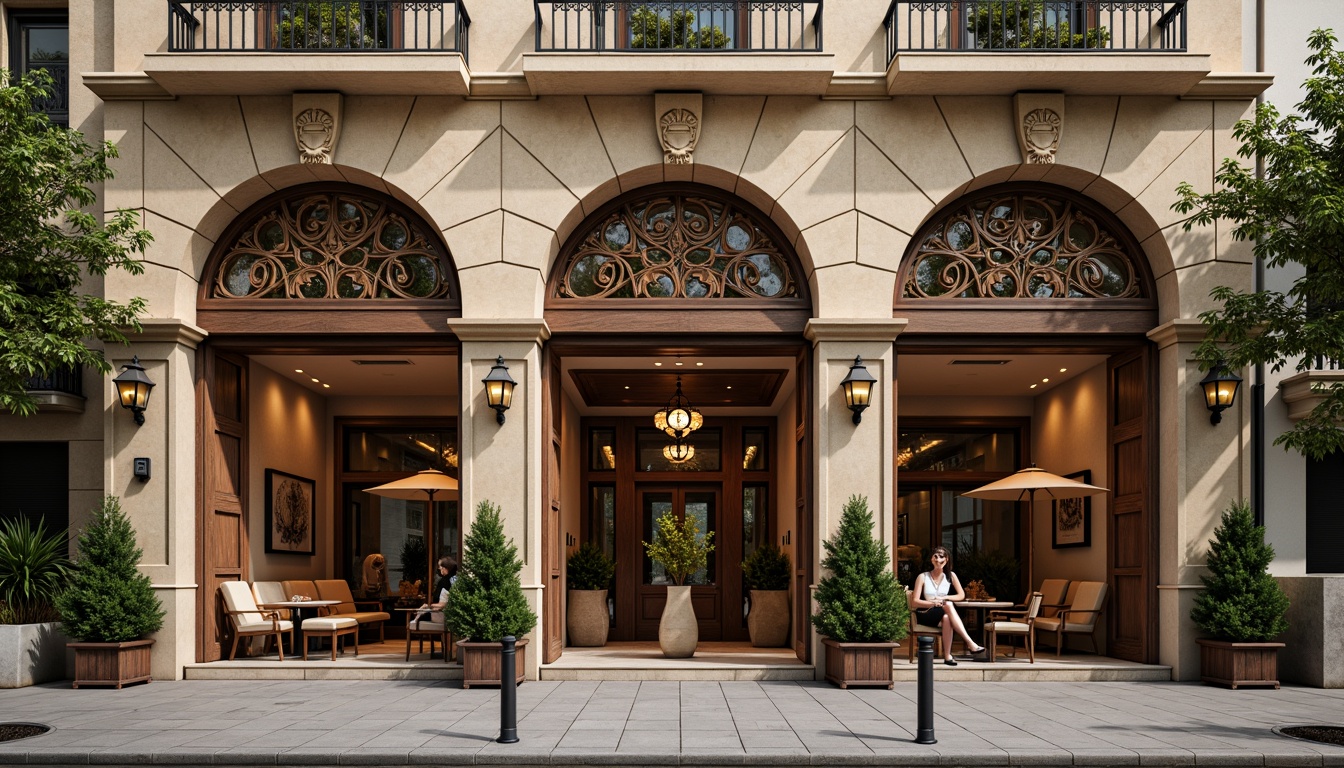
[(861, 610), (1242, 607), (109, 606), (487, 602), (766, 571), (33, 571), (681, 550), (589, 572)]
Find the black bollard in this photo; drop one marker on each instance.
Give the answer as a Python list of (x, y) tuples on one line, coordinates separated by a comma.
[(508, 692), (924, 734)]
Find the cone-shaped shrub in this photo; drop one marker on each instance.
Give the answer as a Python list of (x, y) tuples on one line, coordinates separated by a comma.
[(487, 603), (590, 568), (1241, 602), (767, 567), (859, 601), (109, 600)]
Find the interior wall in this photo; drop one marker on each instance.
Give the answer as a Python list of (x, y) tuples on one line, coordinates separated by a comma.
[(288, 430), (952, 407), (571, 491)]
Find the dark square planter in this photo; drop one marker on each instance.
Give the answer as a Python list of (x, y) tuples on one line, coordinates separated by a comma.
[(111, 664), (480, 662), (866, 664), (1239, 665)]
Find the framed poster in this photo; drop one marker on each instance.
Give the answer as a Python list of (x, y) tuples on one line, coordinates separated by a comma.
[(290, 507), (1073, 517)]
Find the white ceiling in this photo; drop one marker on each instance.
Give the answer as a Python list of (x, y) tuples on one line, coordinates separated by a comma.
[(935, 375), (426, 375)]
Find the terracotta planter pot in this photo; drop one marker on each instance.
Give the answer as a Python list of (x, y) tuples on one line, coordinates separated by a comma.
[(678, 632), (1239, 665), (586, 619), (111, 664), (768, 621), (858, 663), (481, 664)]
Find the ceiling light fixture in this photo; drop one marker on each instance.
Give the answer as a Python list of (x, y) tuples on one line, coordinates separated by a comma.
[(678, 418), (679, 452)]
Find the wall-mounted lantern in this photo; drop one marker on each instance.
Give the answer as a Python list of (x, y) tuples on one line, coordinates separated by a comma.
[(858, 388), (1220, 387), (133, 388), (499, 388)]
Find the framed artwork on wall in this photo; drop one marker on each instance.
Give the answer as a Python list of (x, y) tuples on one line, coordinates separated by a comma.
[(1073, 517), (291, 504)]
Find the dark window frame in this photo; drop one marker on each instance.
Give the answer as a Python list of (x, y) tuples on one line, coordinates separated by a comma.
[(20, 20)]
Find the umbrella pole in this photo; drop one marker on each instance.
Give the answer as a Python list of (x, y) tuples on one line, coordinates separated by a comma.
[(1031, 541), (431, 571)]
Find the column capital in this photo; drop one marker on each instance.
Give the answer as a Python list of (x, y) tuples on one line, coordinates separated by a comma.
[(854, 329), (1178, 331), (172, 330), (491, 329)]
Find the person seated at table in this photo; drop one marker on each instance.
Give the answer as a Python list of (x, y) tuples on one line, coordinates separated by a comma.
[(936, 591), (447, 575)]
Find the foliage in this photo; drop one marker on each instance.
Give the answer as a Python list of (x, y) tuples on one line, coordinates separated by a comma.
[(49, 241), (767, 568), (333, 25), (678, 30), (590, 568), (681, 550), (1025, 24), (109, 600), (999, 573), (1295, 217), (487, 602), (33, 571), (1241, 602), (859, 601), (414, 557)]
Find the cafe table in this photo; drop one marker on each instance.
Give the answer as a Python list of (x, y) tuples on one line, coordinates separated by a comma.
[(979, 607), (300, 610)]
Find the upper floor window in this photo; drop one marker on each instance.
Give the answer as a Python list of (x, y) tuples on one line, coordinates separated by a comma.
[(42, 41)]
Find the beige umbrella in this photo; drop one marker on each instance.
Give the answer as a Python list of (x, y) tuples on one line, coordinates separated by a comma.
[(424, 485), (1023, 484)]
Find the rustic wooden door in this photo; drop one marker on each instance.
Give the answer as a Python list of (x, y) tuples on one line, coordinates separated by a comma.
[(221, 511), (1131, 562), (552, 539), (802, 534), (704, 503)]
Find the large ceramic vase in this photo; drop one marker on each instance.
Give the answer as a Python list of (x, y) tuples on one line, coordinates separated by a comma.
[(768, 621), (678, 633), (587, 619)]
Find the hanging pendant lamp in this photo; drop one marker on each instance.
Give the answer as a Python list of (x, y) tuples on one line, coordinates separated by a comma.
[(679, 452), (678, 418)]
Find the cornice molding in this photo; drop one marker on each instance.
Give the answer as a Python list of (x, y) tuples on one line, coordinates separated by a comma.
[(1230, 85), (169, 330), (1180, 331), (125, 86), (491, 329), (820, 329)]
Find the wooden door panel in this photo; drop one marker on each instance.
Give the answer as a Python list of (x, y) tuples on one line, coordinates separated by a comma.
[(221, 514), (802, 534), (1132, 522), (552, 542)]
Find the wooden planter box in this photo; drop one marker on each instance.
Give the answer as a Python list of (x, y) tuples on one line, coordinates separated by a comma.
[(1237, 665), (114, 664), (480, 662), (858, 663)]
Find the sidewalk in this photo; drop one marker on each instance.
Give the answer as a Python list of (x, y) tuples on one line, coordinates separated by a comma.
[(396, 723)]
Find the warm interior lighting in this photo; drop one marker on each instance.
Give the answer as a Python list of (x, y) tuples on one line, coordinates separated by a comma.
[(679, 418), (609, 456), (499, 388), (749, 457), (1220, 391), (679, 452), (858, 388), (133, 387)]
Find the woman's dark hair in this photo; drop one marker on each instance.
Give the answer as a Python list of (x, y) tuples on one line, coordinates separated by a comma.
[(946, 553), (449, 563)]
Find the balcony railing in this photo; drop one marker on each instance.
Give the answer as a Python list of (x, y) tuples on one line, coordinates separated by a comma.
[(318, 26), (67, 380), (630, 26), (1323, 363), (1035, 26)]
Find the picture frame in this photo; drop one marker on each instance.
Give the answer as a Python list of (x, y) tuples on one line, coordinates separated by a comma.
[(291, 507), (1071, 519)]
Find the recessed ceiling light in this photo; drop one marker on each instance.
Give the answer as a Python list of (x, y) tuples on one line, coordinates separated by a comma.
[(1033, 386), (1062, 370), (658, 365), (315, 381), (678, 363), (697, 365), (326, 386), (1045, 381), (730, 386), (627, 386), (298, 370)]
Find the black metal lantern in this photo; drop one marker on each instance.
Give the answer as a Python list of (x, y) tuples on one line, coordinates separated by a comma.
[(1220, 390), (678, 418), (858, 387), (499, 388), (133, 388)]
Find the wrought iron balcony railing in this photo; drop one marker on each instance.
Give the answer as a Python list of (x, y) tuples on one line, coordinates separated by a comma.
[(62, 390), (1323, 363), (1035, 26), (318, 26), (678, 26)]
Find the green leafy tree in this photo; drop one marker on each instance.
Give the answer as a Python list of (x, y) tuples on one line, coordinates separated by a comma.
[(33, 571), (859, 601), (487, 602), (1294, 215), (1029, 24), (1241, 602), (329, 25), (767, 568), (109, 600), (681, 549), (589, 567), (677, 30), (50, 242)]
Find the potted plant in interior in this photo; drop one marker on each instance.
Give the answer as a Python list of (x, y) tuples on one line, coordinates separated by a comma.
[(487, 603), (33, 571), (1242, 607), (109, 606), (589, 572), (680, 550), (861, 610), (767, 573)]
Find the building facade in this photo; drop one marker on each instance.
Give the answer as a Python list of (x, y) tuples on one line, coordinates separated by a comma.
[(361, 208)]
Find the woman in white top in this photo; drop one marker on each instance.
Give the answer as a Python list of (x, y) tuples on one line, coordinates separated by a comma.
[(936, 591)]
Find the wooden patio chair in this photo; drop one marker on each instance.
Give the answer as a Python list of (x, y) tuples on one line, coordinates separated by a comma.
[(917, 629), (1079, 618), (249, 620), (1014, 623)]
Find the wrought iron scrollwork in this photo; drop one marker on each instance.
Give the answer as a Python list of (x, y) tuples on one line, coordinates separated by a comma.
[(678, 246), (332, 245), (1022, 246)]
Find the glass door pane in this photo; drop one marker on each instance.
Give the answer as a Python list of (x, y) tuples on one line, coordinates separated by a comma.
[(656, 504), (701, 506)]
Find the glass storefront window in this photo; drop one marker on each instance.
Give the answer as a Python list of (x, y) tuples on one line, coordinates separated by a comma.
[(602, 450), (603, 521), (394, 450), (755, 448), (957, 450), (649, 444), (755, 524)]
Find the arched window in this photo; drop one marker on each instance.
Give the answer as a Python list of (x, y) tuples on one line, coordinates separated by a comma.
[(1024, 242), (324, 242), (684, 242)]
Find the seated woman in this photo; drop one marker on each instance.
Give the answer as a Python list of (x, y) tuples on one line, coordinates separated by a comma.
[(936, 591), (447, 575)]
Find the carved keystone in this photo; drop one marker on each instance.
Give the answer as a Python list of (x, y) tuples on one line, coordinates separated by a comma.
[(1040, 124), (317, 126)]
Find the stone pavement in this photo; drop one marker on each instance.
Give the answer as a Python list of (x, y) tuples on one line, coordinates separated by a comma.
[(398, 723)]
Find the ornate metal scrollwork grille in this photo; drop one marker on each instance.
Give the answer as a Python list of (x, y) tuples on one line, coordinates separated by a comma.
[(677, 246), (1022, 245), (331, 245)]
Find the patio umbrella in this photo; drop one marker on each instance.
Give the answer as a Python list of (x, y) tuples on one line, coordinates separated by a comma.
[(422, 486), (1023, 485)]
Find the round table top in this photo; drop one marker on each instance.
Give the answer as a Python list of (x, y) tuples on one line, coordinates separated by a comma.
[(985, 603), (299, 603)]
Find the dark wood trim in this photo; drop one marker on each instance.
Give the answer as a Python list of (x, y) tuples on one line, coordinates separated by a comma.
[(687, 346), (1012, 321), (337, 343), (621, 320), (1017, 344), (288, 321)]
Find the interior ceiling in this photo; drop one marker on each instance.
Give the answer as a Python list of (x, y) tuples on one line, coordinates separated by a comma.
[(621, 385), (937, 375), (421, 375)]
